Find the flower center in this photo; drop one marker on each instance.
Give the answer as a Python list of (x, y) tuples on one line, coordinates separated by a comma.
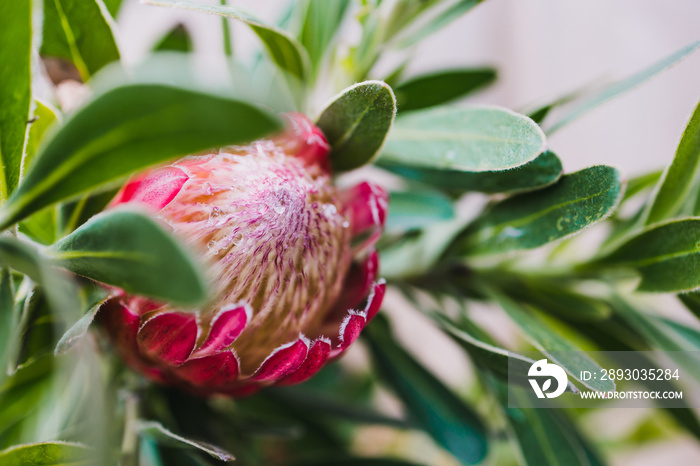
[(276, 236)]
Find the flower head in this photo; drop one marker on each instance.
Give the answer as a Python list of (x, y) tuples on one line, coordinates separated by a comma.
[(290, 256)]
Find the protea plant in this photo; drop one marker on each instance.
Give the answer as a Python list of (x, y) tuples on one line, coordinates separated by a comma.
[(290, 255)]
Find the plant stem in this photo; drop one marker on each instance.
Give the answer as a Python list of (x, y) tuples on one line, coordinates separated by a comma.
[(130, 441)]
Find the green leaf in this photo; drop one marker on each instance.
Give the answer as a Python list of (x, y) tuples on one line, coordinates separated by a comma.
[(357, 462), (7, 319), (440, 20), (44, 116), (530, 220), (417, 209), (543, 436), (128, 129), (126, 248), (470, 139), (113, 6), (559, 349), (40, 227), (79, 31), (440, 87), (666, 255), (15, 91), (72, 214), (162, 435), (356, 123), (46, 454), (623, 86), (176, 40), (679, 178), (321, 22), (641, 183), (691, 301), (433, 406), (78, 330), (536, 174), (284, 49)]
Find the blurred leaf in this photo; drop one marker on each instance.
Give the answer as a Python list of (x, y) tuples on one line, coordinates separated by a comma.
[(540, 114), (433, 406), (470, 139), (15, 91), (530, 220), (357, 462), (284, 49), (666, 255), (128, 249), (317, 403), (623, 86), (79, 31), (542, 436), (44, 116), (679, 178), (41, 226), (7, 319), (72, 214), (415, 255), (322, 20), (488, 356), (113, 6), (437, 22), (356, 123), (128, 129), (46, 454), (417, 209), (560, 350), (440, 87), (159, 433), (544, 170), (176, 40), (640, 183), (78, 330), (691, 301)]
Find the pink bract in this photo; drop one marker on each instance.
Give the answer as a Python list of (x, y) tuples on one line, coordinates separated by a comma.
[(290, 256)]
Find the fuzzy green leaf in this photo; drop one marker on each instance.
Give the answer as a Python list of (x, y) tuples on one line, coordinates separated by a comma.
[(433, 406), (536, 174), (79, 31), (680, 177), (533, 219), (356, 123), (284, 49), (666, 255), (470, 139), (417, 209), (128, 249), (440, 87), (15, 90), (46, 454), (623, 86), (128, 129), (321, 23)]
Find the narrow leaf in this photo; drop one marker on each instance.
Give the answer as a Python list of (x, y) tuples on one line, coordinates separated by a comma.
[(437, 22), (332, 461), (159, 433), (128, 249), (44, 116), (176, 40), (680, 177), (128, 129), (356, 123), (78, 330), (571, 358), (536, 174), (531, 220), (7, 319), (15, 91), (666, 255), (284, 49), (79, 31), (321, 23), (440, 87), (623, 86), (433, 406), (470, 139), (46, 454)]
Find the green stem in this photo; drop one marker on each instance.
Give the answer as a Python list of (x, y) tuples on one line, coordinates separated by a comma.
[(130, 440)]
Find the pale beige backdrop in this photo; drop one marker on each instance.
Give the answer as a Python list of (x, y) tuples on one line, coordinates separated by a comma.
[(543, 49)]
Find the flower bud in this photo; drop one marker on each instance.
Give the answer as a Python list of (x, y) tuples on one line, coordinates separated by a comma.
[(290, 257)]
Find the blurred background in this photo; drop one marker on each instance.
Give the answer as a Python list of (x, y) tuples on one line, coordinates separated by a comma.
[(543, 49)]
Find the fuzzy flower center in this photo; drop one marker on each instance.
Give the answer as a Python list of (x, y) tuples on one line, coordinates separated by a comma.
[(276, 236)]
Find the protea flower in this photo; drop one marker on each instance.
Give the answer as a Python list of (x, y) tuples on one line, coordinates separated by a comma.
[(290, 256)]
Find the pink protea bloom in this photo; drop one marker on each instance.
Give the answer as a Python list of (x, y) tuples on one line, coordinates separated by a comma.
[(290, 256)]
